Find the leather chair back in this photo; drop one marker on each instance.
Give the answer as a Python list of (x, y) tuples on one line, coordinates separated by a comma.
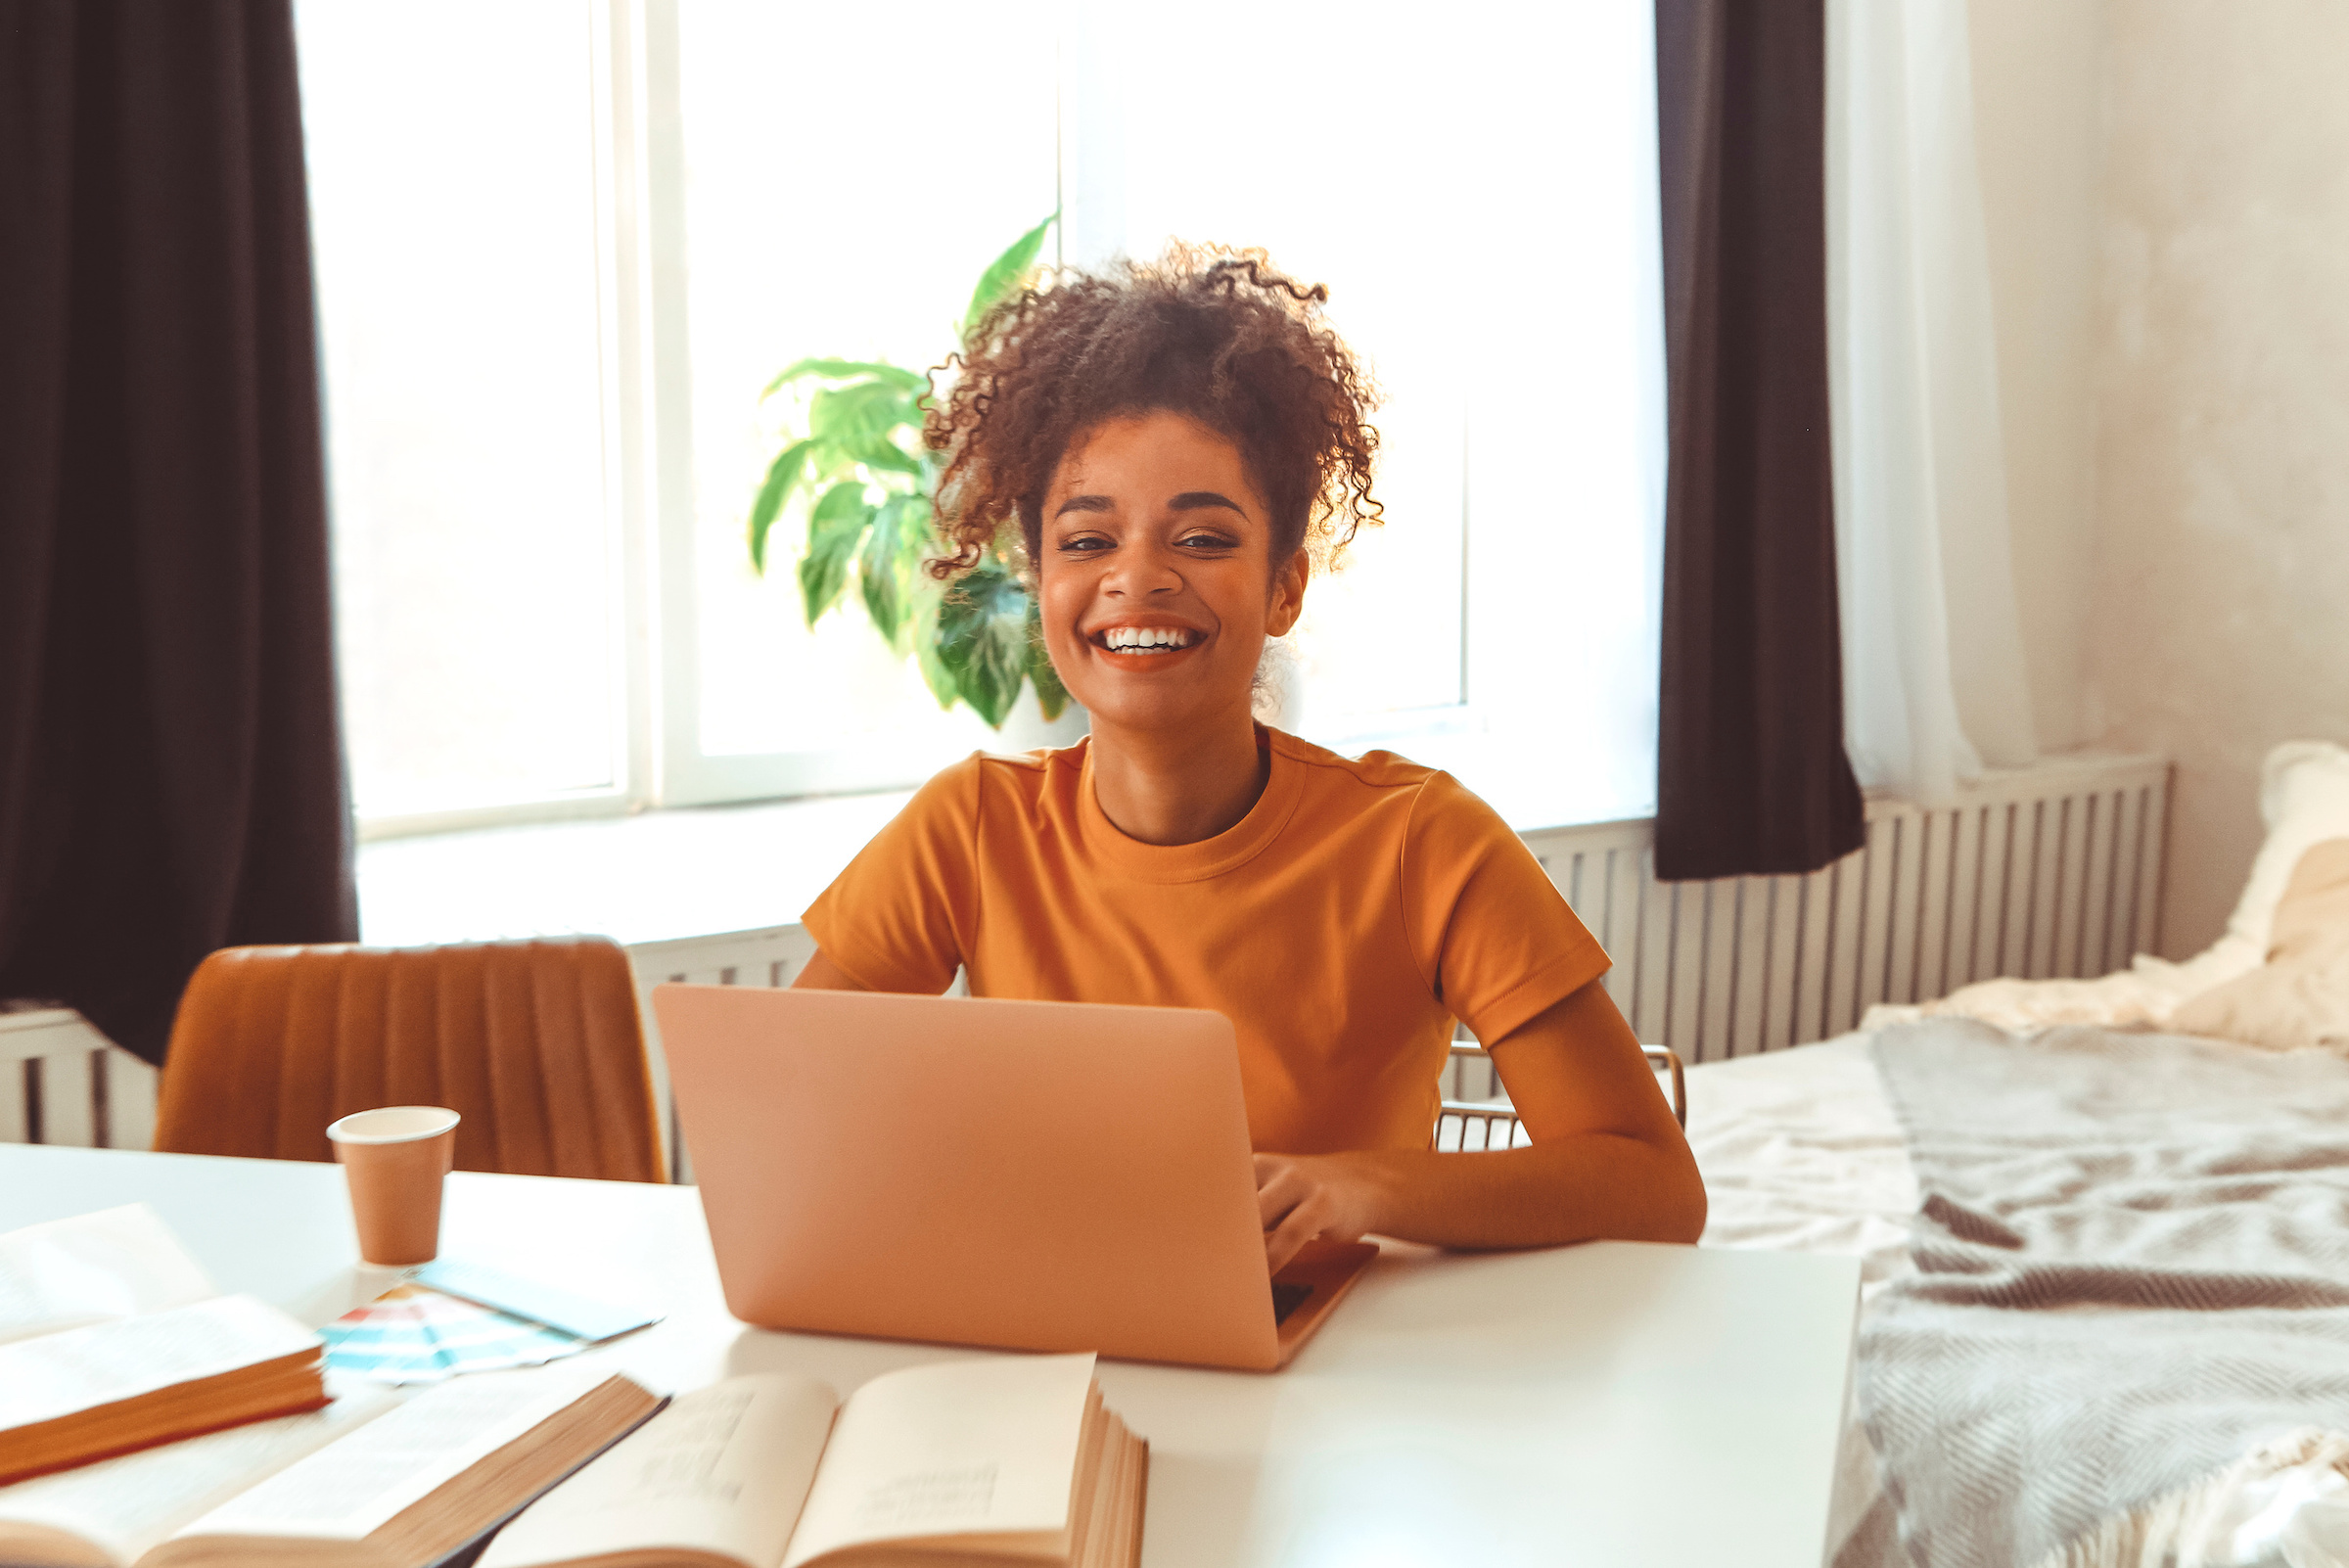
[(538, 1044)]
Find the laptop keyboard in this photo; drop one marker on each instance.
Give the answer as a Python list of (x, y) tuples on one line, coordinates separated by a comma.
[(1286, 1299)]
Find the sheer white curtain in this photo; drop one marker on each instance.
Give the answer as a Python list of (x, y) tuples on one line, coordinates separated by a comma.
[(1934, 685)]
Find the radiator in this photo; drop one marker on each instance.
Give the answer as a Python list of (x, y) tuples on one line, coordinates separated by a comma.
[(2048, 871), (62, 1081), (2043, 872)]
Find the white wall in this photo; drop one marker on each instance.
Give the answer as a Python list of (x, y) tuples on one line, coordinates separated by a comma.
[(2166, 184), (2218, 609)]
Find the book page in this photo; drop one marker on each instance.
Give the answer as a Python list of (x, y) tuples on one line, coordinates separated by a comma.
[(93, 1268), (130, 1504), (943, 1450), (350, 1488), (724, 1469), (56, 1374)]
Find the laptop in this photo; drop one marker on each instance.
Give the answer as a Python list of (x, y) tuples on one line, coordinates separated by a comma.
[(1029, 1175)]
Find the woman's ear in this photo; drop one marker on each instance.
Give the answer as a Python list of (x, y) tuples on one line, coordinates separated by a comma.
[(1287, 599)]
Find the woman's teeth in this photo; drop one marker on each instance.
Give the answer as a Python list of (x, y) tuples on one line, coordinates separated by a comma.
[(1147, 639)]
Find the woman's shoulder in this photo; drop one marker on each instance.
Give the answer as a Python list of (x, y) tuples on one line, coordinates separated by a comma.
[(1372, 771), (958, 792), (1378, 773), (1014, 769)]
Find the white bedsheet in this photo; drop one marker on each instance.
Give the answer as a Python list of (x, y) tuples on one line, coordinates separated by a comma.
[(1801, 1152)]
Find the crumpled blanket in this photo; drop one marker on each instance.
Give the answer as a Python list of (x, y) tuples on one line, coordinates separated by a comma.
[(2131, 1270), (2143, 996)]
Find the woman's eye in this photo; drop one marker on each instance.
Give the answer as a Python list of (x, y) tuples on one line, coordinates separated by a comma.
[(1083, 544), (1208, 542)]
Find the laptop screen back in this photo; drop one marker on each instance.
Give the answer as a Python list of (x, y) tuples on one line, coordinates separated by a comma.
[(1042, 1176)]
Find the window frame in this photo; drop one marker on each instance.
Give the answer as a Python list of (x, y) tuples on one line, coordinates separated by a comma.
[(649, 483)]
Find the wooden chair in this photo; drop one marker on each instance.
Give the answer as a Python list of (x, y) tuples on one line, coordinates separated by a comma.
[(538, 1044)]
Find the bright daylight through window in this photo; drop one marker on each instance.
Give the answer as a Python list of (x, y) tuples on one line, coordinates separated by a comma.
[(559, 263)]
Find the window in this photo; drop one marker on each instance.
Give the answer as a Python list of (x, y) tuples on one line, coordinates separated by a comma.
[(558, 264), (457, 219)]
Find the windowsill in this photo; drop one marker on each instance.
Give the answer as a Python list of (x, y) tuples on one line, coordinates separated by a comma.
[(689, 871), (694, 871)]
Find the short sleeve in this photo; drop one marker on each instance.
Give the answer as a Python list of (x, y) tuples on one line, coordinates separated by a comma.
[(1492, 937), (899, 917)]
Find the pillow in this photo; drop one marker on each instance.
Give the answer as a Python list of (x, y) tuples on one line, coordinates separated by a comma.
[(2304, 800), (2300, 997)]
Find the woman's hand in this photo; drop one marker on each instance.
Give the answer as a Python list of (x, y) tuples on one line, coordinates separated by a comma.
[(1301, 1196), (1606, 1160)]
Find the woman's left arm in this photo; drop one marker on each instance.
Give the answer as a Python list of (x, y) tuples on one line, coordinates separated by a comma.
[(1607, 1160)]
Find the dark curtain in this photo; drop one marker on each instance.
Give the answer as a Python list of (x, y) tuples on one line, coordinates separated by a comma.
[(170, 767), (1751, 775)]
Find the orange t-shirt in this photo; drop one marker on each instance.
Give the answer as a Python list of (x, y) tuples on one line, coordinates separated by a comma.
[(1342, 925)]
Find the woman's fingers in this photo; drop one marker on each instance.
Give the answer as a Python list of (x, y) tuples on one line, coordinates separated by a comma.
[(1279, 1187), (1291, 1205), (1302, 1197), (1287, 1239)]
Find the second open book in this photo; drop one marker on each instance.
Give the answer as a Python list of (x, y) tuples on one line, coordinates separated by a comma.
[(956, 1463)]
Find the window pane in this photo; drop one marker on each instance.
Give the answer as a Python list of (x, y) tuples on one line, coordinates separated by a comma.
[(1566, 366), (1476, 185), (843, 206), (1244, 146), (453, 211)]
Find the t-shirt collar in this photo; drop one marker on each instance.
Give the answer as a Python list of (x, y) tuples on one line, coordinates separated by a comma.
[(1227, 850)]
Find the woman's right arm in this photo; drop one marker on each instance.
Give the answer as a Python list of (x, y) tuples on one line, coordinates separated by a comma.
[(820, 973)]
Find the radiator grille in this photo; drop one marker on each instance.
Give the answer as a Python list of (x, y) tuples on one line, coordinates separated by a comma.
[(2054, 872)]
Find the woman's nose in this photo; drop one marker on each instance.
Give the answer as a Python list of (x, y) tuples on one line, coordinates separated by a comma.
[(1139, 574)]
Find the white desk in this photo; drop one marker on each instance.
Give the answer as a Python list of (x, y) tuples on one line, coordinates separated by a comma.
[(1614, 1403)]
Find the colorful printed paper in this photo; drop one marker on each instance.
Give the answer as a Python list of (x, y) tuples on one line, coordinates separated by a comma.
[(411, 1334)]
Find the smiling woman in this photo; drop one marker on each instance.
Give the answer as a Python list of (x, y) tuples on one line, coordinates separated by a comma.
[(1171, 445)]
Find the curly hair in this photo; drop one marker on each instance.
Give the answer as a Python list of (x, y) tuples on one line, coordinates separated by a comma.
[(1212, 334)]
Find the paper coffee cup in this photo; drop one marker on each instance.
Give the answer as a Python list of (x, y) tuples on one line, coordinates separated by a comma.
[(393, 1160)]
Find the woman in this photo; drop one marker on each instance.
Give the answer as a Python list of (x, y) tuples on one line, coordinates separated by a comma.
[(1174, 445)]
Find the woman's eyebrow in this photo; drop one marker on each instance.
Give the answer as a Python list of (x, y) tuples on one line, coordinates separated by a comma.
[(1084, 503), (1196, 500)]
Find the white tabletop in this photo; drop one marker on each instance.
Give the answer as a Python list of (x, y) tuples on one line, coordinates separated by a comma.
[(1613, 1404)]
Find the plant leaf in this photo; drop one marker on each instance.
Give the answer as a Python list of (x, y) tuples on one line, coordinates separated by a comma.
[(858, 420), (1051, 697), (885, 456), (781, 475), (982, 638), (937, 674), (1005, 271), (834, 529), (844, 369), (885, 570)]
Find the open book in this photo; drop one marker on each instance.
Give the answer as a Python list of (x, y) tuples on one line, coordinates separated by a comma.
[(961, 1462), (112, 1339), (366, 1481)]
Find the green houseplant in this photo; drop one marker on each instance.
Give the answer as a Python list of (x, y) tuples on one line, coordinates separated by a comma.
[(867, 489)]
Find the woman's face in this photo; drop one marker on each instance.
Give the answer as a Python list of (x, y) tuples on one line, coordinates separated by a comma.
[(1156, 575)]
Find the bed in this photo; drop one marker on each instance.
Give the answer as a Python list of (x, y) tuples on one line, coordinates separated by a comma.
[(2171, 1387), (2104, 1254)]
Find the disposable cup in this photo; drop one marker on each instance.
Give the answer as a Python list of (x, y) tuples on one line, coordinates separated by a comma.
[(393, 1160)]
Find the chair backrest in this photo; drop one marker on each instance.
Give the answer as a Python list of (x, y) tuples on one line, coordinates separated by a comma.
[(1471, 1126), (538, 1044)]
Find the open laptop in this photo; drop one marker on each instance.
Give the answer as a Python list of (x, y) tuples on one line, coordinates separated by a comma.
[(1034, 1176)]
